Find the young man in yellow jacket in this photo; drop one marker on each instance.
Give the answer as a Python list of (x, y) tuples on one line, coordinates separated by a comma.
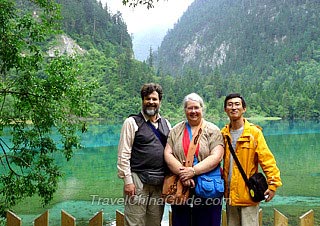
[(251, 149)]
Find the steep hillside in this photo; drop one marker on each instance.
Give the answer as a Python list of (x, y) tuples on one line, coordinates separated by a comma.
[(268, 52), (65, 45), (93, 26), (241, 36), (100, 45)]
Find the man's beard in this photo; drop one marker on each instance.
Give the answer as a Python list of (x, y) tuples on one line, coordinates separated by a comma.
[(150, 112)]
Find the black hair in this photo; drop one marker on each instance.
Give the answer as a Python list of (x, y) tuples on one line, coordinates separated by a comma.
[(234, 95)]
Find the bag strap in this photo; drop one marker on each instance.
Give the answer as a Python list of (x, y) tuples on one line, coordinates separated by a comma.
[(237, 162), (193, 145), (139, 119), (157, 133)]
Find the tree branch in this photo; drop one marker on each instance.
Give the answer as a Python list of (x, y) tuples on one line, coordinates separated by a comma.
[(5, 155), (4, 100), (5, 91), (135, 3)]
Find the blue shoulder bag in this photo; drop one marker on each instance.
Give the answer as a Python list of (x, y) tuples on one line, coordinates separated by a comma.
[(210, 184)]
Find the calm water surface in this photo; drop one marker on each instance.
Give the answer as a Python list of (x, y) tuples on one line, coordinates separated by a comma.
[(90, 183)]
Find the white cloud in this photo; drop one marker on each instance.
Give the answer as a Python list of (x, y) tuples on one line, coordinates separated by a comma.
[(140, 19)]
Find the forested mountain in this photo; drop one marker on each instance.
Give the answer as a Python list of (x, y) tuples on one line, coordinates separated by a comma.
[(233, 34), (109, 62), (268, 50), (87, 20)]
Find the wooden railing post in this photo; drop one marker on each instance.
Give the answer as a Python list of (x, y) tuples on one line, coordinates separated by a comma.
[(280, 219), (119, 218), (97, 220), (13, 220), (260, 217), (67, 219), (224, 218), (42, 220), (307, 219)]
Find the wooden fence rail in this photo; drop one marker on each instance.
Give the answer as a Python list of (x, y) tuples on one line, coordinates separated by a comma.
[(42, 220), (280, 219), (306, 219)]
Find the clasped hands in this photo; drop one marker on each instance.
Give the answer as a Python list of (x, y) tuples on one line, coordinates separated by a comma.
[(186, 175)]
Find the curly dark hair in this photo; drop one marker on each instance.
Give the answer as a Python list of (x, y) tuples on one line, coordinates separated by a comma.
[(149, 88)]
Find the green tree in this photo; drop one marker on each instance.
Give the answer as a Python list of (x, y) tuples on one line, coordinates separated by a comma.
[(150, 59), (38, 96)]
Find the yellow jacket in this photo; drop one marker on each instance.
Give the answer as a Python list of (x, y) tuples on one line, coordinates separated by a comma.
[(251, 149)]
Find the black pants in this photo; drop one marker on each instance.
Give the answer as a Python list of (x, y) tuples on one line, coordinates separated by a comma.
[(205, 213)]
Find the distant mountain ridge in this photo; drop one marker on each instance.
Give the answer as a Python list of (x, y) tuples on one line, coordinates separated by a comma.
[(236, 35), (143, 41)]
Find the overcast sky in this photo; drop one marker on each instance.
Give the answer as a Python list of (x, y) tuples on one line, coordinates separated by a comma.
[(165, 14)]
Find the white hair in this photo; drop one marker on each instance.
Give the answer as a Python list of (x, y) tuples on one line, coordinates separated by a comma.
[(193, 97)]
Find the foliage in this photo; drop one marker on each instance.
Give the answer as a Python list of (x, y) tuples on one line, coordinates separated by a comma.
[(265, 71), (268, 51), (37, 96), (135, 3), (91, 25)]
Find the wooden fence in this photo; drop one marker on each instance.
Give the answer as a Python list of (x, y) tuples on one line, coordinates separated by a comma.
[(43, 220), (306, 219)]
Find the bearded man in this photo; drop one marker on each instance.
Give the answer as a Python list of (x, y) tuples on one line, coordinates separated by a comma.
[(141, 160)]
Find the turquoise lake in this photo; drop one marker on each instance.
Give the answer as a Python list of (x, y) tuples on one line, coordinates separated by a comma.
[(90, 182)]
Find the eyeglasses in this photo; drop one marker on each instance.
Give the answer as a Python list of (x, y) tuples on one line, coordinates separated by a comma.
[(196, 108), (233, 104)]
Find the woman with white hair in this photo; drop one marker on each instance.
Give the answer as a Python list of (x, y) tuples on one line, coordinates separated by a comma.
[(196, 211)]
